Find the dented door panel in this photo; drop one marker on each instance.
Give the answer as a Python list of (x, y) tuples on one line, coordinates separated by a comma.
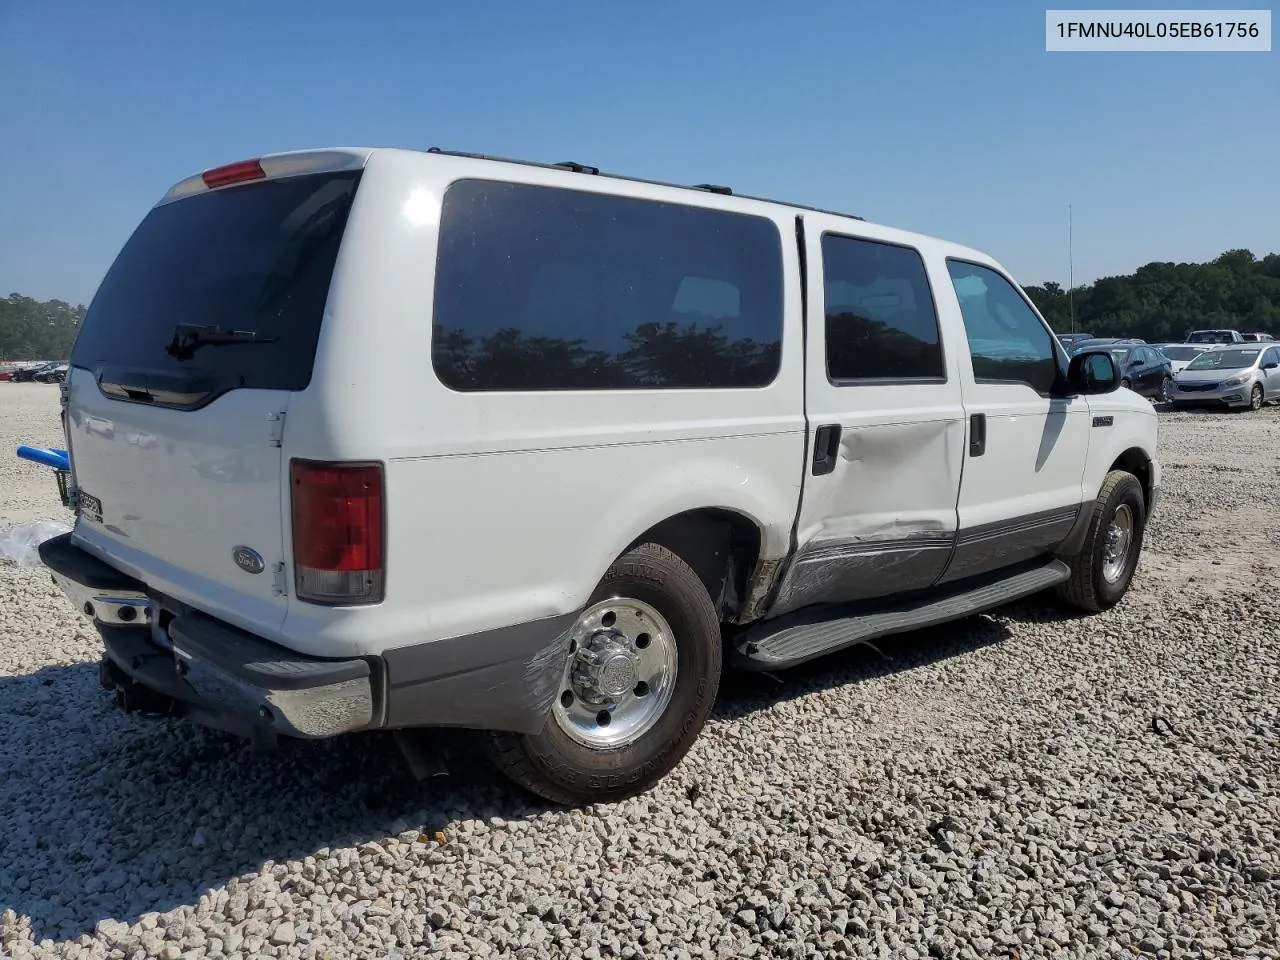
[(884, 521), (879, 517)]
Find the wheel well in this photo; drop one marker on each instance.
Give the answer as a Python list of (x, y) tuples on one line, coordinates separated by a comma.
[(1135, 461), (721, 547)]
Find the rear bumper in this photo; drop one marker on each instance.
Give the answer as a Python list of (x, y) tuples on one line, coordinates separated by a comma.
[(224, 677), (218, 674)]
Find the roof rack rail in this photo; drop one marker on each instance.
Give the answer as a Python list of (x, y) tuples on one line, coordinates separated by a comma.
[(595, 171)]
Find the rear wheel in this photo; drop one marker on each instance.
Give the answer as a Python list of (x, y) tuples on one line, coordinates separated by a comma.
[(640, 681), (1103, 570)]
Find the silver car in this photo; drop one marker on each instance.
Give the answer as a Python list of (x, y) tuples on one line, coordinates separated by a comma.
[(1239, 376)]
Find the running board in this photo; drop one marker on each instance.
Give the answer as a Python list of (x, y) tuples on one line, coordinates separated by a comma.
[(782, 643)]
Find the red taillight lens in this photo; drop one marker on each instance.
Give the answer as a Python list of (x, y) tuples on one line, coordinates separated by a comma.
[(233, 173), (338, 531)]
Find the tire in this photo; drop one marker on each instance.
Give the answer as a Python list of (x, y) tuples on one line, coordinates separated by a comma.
[(1256, 397), (1125, 385), (1095, 585), (1166, 385), (556, 764)]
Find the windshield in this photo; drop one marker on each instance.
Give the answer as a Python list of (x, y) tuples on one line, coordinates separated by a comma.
[(247, 267), (1224, 360), (1211, 336), (1181, 353)]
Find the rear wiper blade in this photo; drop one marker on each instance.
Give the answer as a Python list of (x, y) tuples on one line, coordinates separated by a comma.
[(190, 337)]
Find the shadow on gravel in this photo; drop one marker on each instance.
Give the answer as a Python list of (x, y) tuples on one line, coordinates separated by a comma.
[(743, 693), (107, 815)]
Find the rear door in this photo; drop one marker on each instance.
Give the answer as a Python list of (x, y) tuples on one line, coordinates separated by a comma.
[(180, 381), (886, 422)]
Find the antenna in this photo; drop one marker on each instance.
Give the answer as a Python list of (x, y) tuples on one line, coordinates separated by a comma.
[(1071, 271)]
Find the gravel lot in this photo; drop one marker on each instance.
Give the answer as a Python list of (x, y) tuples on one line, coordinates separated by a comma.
[(1019, 785)]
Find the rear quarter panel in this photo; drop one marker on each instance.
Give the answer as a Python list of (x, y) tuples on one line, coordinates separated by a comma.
[(508, 507)]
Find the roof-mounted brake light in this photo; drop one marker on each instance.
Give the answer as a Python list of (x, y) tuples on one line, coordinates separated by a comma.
[(233, 173)]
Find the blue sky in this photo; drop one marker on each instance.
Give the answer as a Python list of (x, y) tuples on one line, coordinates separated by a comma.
[(946, 118)]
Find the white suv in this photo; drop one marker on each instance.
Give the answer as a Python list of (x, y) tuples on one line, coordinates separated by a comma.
[(383, 439)]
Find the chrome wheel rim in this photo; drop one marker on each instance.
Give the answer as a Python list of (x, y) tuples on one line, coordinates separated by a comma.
[(620, 674), (1119, 541), (1255, 398)]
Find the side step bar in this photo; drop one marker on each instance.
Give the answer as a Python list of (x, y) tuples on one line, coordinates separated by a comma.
[(786, 642)]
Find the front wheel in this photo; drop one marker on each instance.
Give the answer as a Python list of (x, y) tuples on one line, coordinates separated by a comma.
[(1103, 570), (1255, 397), (640, 680), (1125, 385), (1166, 389)]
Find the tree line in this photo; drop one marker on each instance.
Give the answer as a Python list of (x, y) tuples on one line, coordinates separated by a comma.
[(37, 330), (1158, 302), (1164, 301)]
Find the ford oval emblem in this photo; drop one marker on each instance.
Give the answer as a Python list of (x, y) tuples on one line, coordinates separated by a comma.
[(248, 559)]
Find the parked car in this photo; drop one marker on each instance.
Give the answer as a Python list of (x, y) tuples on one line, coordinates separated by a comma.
[(1180, 354), (1258, 337), (1069, 339), (1143, 369), (6, 373), (542, 531), (1242, 377), (29, 374), (1215, 336), (53, 374)]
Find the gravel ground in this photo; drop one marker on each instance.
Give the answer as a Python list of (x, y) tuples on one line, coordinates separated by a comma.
[(1019, 785)]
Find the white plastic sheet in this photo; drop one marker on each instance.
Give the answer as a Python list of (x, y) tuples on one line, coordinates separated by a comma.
[(21, 544)]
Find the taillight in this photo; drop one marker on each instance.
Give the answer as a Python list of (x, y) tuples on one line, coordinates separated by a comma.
[(338, 531), (233, 173)]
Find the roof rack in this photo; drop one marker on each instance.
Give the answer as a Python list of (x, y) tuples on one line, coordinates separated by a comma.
[(575, 167)]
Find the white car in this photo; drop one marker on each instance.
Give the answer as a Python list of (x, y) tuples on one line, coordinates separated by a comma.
[(1181, 354), (1242, 376), (381, 439)]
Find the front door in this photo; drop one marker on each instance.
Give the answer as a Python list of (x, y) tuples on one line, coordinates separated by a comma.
[(1024, 465), (886, 423), (1269, 366)]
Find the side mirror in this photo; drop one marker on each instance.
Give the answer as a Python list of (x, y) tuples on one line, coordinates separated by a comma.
[(1271, 365), (1093, 372)]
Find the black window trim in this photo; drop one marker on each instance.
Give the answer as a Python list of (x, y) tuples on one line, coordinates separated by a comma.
[(785, 277), (1059, 352), (937, 321)]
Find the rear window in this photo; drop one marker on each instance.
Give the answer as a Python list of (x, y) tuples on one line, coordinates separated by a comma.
[(540, 288), (250, 264)]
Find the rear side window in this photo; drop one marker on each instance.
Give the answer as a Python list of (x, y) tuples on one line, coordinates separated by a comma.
[(246, 269), (540, 288), (880, 319)]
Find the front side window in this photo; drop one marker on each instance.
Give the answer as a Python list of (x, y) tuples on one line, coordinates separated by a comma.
[(1007, 341), (541, 288), (880, 318)]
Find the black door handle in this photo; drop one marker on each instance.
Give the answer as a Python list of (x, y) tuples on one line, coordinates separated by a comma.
[(826, 448), (977, 434)]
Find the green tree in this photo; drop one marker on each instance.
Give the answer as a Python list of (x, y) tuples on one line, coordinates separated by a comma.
[(1163, 301), (35, 330)]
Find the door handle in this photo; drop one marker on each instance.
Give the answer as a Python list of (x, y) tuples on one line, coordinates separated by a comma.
[(826, 448), (977, 434)]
